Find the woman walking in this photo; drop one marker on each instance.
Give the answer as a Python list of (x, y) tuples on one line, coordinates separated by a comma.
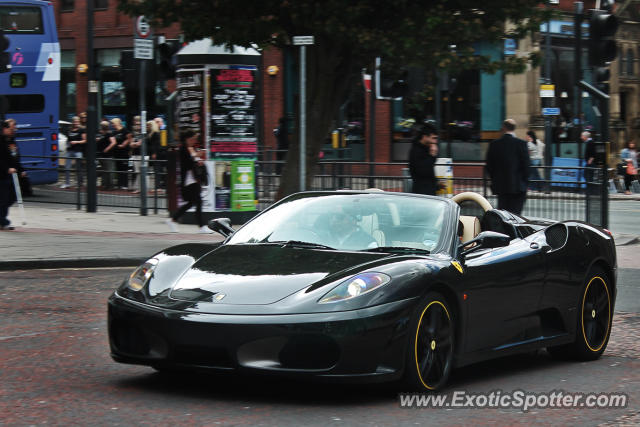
[(190, 186), (536, 154), (629, 155)]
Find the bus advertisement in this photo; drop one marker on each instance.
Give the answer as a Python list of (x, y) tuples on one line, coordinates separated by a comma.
[(32, 85)]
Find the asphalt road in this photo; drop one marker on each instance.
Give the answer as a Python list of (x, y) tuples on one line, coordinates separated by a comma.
[(55, 369)]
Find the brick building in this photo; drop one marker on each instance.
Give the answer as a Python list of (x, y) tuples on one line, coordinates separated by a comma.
[(113, 33)]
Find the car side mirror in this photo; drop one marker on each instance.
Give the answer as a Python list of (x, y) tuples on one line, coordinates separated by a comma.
[(222, 226), (485, 240)]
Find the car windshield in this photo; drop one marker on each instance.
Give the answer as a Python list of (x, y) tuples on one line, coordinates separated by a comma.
[(350, 222)]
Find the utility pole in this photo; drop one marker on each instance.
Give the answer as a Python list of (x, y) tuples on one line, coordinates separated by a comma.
[(303, 41), (548, 131), (92, 122), (577, 62), (372, 122)]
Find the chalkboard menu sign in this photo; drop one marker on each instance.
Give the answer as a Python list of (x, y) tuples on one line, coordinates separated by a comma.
[(190, 105), (234, 112)]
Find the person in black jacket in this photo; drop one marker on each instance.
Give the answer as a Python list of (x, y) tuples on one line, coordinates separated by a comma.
[(422, 159), (8, 167), (508, 167), (190, 186)]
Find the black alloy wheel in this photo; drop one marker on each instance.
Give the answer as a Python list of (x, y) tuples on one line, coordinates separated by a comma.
[(594, 320), (596, 316), (431, 345)]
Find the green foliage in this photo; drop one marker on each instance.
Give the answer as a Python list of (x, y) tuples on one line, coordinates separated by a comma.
[(349, 34), (403, 32)]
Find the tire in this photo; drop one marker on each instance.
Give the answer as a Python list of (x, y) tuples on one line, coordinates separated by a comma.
[(430, 345), (594, 320)]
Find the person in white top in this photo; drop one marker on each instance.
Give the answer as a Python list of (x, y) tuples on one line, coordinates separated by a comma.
[(629, 155), (536, 154)]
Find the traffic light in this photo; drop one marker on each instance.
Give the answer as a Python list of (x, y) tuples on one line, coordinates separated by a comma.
[(601, 76), (166, 52), (5, 57), (394, 88), (602, 45)]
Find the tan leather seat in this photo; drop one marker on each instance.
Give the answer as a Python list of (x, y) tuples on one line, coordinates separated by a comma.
[(369, 223), (471, 227)]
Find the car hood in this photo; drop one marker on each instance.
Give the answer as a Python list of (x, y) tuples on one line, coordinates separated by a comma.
[(263, 274)]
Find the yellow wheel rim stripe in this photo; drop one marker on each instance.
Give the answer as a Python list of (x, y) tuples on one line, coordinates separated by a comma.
[(416, 340), (584, 297)]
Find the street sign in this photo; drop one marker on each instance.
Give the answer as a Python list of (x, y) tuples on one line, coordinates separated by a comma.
[(143, 41), (551, 111), (143, 29), (143, 49), (547, 91), (302, 40)]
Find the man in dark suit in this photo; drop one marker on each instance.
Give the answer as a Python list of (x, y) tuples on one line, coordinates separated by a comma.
[(508, 167), (422, 159)]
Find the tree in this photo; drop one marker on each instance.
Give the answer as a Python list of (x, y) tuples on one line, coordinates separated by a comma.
[(349, 34)]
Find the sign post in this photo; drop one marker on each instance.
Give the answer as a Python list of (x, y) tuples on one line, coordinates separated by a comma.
[(303, 41), (143, 50)]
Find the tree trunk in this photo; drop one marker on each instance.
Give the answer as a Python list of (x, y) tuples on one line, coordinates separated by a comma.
[(328, 69)]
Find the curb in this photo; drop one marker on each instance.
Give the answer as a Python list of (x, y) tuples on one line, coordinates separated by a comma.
[(38, 264)]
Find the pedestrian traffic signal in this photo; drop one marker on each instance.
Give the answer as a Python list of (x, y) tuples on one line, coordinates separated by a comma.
[(602, 45), (5, 57), (166, 53)]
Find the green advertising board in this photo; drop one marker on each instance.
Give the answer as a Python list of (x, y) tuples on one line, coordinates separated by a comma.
[(243, 190)]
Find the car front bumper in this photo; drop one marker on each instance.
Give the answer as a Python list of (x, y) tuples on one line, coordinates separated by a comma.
[(366, 344)]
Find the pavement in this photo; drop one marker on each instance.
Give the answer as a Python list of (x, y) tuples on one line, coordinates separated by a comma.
[(56, 236)]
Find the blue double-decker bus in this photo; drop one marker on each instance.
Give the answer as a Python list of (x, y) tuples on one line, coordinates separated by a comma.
[(32, 86)]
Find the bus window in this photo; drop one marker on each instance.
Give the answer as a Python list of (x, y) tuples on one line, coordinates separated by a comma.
[(18, 80), (21, 20), (25, 104)]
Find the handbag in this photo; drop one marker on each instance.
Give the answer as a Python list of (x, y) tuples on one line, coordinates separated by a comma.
[(622, 168), (630, 169)]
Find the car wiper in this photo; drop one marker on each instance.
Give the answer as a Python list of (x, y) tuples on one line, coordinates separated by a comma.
[(301, 244), (399, 249)]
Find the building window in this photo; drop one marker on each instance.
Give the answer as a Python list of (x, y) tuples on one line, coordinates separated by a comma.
[(630, 63), (67, 5), (100, 4), (622, 63)]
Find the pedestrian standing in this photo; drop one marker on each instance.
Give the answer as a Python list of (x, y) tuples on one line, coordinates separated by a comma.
[(282, 136), (629, 155), (83, 119), (589, 155), (76, 143), (508, 167), (190, 187), (536, 155), (8, 167), (157, 152), (422, 160), (105, 144), (121, 152)]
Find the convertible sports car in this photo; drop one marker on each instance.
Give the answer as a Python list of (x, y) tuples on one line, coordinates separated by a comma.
[(369, 285)]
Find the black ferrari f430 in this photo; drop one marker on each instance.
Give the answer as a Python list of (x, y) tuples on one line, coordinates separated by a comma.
[(369, 286)]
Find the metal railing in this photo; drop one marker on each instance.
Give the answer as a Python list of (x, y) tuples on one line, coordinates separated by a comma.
[(565, 196), (118, 183)]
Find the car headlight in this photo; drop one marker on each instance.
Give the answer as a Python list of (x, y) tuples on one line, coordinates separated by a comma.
[(139, 278), (356, 286)]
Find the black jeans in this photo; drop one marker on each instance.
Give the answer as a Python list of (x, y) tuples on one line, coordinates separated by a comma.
[(191, 194), (512, 202)]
